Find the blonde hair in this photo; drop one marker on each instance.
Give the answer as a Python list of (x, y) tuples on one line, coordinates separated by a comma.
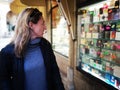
[(22, 29)]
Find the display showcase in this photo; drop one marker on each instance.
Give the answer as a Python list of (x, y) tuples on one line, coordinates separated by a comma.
[(99, 41)]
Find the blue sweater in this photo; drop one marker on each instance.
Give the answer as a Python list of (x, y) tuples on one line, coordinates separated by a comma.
[(35, 72)]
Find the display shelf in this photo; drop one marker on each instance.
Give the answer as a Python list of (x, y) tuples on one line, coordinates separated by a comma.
[(102, 71), (99, 22), (100, 59), (100, 48), (98, 80), (101, 39)]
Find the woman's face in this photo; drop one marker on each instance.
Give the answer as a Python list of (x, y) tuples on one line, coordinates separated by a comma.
[(38, 29)]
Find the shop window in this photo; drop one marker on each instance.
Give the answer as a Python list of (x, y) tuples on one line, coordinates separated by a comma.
[(60, 36), (5, 35)]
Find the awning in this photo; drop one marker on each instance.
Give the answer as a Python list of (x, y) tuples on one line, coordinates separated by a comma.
[(33, 2), (17, 6)]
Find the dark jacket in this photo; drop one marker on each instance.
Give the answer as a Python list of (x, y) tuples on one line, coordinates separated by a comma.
[(12, 68)]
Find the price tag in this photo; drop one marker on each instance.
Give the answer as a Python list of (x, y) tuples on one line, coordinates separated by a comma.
[(83, 34), (88, 35), (116, 71), (95, 35), (117, 36), (83, 41)]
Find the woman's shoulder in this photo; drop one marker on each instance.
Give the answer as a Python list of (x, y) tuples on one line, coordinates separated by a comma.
[(9, 48), (44, 41)]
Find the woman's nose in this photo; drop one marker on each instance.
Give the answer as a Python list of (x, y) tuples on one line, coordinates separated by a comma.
[(45, 29)]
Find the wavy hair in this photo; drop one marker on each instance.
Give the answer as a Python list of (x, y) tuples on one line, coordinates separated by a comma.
[(22, 29)]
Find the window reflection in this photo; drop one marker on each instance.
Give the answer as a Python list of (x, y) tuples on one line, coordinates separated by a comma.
[(60, 36)]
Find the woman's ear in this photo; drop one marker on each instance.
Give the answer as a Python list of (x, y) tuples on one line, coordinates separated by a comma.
[(31, 25)]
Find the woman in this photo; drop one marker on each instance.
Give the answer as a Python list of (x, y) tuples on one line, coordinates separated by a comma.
[(28, 62)]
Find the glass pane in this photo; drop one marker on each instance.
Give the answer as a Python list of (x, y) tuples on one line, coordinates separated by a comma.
[(60, 36)]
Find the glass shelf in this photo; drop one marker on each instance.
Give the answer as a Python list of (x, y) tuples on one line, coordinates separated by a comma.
[(101, 71), (98, 58), (107, 21), (101, 39)]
